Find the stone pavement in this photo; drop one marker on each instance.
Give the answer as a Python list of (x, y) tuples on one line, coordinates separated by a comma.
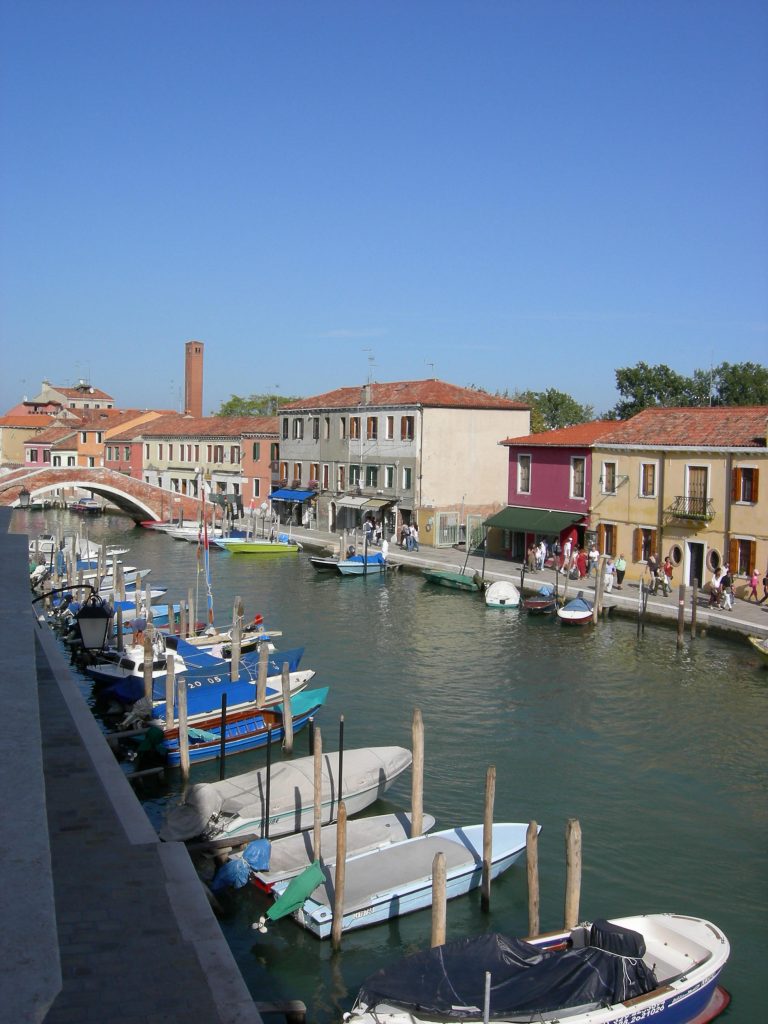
[(746, 618), (101, 921)]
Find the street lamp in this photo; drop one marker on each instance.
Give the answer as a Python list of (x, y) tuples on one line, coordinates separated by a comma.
[(263, 509), (93, 621), (24, 497)]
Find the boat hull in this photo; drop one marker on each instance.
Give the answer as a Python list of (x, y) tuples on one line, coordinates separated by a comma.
[(237, 807), (256, 547), (693, 953), (409, 864), (502, 595), (452, 580), (246, 730)]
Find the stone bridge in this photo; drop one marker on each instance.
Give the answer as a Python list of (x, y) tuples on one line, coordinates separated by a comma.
[(138, 500)]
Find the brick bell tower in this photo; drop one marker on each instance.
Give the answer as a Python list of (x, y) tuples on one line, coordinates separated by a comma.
[(193, 378)]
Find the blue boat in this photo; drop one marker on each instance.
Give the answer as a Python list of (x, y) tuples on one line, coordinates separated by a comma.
[(359, 565), (200, 671), (245, 730)]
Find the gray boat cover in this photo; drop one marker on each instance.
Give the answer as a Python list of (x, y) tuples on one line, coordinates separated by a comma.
[(526, 981)]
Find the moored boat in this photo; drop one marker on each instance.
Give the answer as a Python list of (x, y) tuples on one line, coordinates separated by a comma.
[(760, 644), (394, 880), (453, 580), (543, 602), (241, 546), (660, 967), (502, 594), (576, 612), (360, 565), (237, 806)]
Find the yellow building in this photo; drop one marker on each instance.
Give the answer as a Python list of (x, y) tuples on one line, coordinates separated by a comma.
[(684, 483)]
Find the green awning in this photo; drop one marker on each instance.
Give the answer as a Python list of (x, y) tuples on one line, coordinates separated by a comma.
[(533, 520)]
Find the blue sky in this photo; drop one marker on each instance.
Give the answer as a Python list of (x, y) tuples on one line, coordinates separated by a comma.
[(505, 194)]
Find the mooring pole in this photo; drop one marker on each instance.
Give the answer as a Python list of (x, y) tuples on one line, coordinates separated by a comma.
[(681, 615), (417, 774), (532, 861), (340, 877), (572, 873), (438, 900), (490, 796)]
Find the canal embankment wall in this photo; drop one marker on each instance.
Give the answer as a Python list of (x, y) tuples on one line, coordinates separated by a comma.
[(101, 920)]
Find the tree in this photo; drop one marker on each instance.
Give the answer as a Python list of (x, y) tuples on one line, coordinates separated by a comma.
[(253, 405), (741, 384), (552, 409), (643, 386)]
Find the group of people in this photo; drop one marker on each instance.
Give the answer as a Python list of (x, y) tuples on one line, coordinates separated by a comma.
[(721, 589), (661, 574), (409, 537)]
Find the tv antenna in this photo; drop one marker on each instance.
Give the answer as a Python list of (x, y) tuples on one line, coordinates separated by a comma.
[(432, 366), (371, 362)]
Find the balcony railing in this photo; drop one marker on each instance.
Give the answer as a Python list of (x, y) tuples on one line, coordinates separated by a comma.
[(689, 507)]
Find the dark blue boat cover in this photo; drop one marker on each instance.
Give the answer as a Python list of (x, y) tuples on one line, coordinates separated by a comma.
[(373, 559), (449, 981)]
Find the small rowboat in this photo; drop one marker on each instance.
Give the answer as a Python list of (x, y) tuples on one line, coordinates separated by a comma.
[(502, 594), (760, 644), (542, 603), (576, 612), (453, 580)]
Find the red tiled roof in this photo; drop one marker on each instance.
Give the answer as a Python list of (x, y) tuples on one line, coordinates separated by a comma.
[(430, 393), (26, 419), (202, 426), (581, 435), (718, 427), (52, 434), (82, 393)]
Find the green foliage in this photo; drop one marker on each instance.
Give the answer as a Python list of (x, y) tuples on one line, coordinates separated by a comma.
[(253, 405), (643, 386), (552, 409)]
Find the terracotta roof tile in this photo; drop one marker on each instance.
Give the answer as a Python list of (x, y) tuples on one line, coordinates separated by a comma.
[(581, 435), (82, 393), (398, 394), (26, 420), (204, 426), (718, 427), (52, 434)]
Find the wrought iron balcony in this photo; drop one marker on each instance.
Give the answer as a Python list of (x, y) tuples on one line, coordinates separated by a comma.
[(690, 507)]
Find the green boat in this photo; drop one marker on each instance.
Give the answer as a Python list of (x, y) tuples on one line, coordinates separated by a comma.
[(452, 579), (240, 546)]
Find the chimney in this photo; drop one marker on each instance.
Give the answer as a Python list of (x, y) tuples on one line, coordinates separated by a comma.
[(193, 378)]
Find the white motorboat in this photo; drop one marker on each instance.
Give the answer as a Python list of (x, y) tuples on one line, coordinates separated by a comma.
[(660, 967), (237, 806)]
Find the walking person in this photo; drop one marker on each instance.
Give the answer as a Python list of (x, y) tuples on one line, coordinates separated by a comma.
[(667, 570), (594, 559), (754, 579), (726, 585), (609, 573), (621, 568), (765, 588), (414, 538)]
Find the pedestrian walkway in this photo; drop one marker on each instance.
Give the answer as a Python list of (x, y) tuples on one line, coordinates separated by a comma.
[(746, 619)]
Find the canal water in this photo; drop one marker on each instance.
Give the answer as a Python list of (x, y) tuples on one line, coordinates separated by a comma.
[(659, 753)]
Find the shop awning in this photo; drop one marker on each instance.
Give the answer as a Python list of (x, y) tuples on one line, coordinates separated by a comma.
[(533, 520), (350, 502), (291, 494), (376, 503)]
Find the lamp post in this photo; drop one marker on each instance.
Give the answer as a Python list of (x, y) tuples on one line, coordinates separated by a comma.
[(24, 497), (93, 621), (263, 509)]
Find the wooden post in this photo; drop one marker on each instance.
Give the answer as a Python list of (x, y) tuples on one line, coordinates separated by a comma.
[(149, 653), (261, 681), (417, 774), (438, 900), (681, 615), (694, 607), (80, 584), (170, 689), (318, 794), (599, 585), (338, 887), (237, 633), (120, 643), (490, 796), (181, 697), (182, 619), (191, 623), (287, 713), (572, 873), (532, 861)]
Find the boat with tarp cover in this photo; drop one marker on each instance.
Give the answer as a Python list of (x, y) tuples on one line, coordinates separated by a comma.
[(660, 967)]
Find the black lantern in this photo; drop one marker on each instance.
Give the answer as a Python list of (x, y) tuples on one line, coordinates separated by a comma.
[(93, 621), (24, 497)]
